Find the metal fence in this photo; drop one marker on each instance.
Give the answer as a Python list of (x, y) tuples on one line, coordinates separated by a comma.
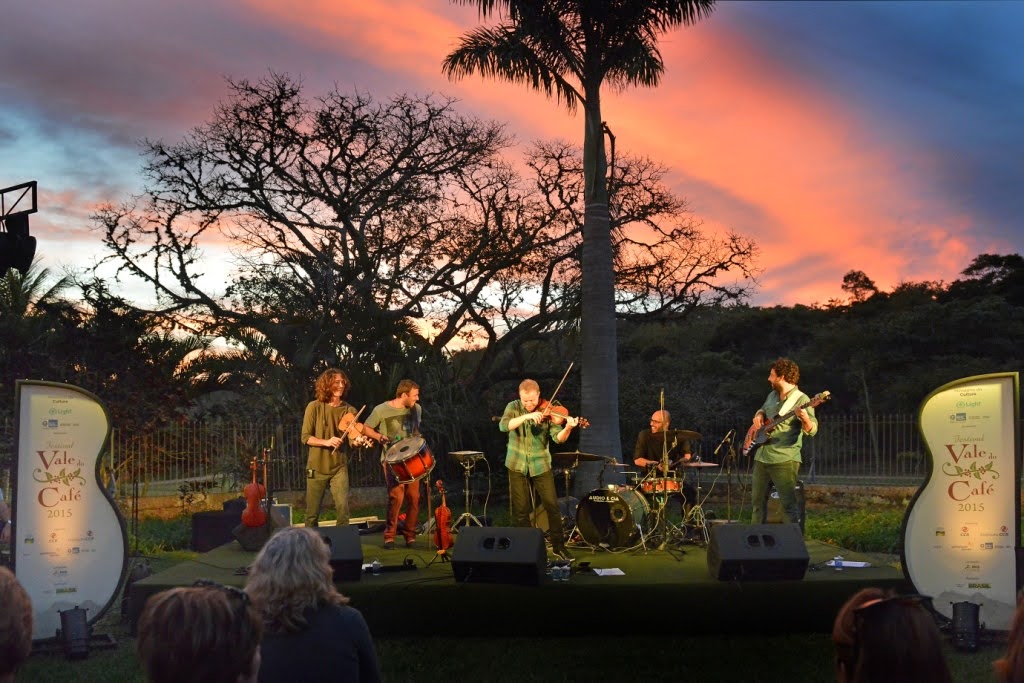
[(206, 456)]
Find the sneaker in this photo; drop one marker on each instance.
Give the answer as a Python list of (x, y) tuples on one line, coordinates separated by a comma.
[(389, 545), (410, 543)]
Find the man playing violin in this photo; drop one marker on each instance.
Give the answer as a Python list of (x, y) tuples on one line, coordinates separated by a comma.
[(528, 459), (397, 419), (324, 433)]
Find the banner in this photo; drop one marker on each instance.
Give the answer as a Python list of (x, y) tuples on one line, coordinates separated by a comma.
[(70, 547), (962, 529)]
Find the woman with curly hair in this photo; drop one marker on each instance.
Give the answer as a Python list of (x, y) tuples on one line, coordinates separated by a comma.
[(310, 632)]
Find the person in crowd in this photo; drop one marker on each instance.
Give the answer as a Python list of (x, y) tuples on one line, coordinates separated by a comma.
[(397, 419), (778, 459), (327, 436), (1010, 668), (880, 636), (207, 633), (311, 634), (16, 623), (528, 460)]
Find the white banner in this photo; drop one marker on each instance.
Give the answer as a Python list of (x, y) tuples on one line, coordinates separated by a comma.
[(70, 546), (961, 530)]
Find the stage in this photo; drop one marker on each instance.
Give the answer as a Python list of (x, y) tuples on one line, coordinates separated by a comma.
[(659, 592)]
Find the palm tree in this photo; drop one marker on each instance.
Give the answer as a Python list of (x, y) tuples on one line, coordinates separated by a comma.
[(569, 49)]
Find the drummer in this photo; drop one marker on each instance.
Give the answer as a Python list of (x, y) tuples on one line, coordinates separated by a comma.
[(650, 443), (398, 419)]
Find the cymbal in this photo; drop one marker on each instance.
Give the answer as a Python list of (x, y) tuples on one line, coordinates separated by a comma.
[(574, 456), (463, 456), (700, 464), (683, 434)]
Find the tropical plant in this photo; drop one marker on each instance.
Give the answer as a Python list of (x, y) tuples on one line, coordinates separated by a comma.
[(570, 49)]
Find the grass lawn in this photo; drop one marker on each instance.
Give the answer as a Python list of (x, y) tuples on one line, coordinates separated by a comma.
[(615, 655)]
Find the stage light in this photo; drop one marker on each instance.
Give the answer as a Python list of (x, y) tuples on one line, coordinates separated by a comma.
[(17, 247), (965, 625), (74, 633)]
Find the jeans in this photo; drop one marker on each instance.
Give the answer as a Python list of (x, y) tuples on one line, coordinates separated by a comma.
[(783, 475), (519, 500), (397, 494), (315, 488)]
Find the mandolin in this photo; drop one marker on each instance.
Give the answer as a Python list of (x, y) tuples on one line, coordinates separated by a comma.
[(757, 437)]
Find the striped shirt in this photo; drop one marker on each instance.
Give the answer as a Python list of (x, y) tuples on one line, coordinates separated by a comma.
[(527, 446)]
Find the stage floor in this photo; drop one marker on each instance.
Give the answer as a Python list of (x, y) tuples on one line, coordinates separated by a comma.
[(659, 592)]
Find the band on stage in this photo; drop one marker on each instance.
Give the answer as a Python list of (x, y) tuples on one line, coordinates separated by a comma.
[(659, 503)]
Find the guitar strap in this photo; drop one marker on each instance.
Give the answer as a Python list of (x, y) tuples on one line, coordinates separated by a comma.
[(791, 402)]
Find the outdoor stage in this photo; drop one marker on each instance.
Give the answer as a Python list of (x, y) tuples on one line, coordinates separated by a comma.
[(660, 592)]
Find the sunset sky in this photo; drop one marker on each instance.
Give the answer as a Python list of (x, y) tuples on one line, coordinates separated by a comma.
[(879, 136)]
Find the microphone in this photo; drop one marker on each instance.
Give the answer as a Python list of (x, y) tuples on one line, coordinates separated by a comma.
[(728, 437), (495, 418)]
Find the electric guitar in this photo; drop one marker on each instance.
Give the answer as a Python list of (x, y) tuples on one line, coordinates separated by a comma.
[(756, 437)]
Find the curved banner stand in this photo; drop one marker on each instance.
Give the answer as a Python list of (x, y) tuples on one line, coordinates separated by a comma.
[(961, 532), (70, 545)]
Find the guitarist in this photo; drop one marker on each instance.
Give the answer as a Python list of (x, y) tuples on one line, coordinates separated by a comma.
[(778, 459)]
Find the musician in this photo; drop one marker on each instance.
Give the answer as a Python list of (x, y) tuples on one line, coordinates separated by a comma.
[(651, 442), (528, 460), (327, 463), (397, 419), (778, 459)]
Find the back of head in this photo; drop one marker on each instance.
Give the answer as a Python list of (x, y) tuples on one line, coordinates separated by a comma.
[(894, 639), (16, 622), (292, 573), (1010, 668), (204, 634)]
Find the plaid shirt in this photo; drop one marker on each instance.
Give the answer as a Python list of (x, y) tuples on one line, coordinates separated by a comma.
[(527, 446)]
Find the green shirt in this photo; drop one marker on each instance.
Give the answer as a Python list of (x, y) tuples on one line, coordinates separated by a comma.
[(785, 441), (395, 423), (527, 446), (321, 420)]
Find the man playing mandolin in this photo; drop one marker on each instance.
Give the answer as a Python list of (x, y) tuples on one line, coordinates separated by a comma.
[(778, 459), (397, 419), (528, 459)]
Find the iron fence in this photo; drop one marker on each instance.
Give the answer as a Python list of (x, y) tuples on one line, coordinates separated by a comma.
[(206, 456)]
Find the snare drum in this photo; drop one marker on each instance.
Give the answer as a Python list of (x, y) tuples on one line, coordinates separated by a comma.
[(409, 459), (611, 518), (661, 486)]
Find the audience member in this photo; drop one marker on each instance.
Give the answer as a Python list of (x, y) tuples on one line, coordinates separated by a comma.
[(311, 632), (15, 625), (881, 636), (1010, 669), (204, 634)]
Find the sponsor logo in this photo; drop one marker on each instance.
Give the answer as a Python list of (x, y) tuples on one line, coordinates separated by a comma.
[(968, 404), (939, 531), (986, 546), (30, 540), (979, 585), (958, 417), (49, 424), (68, 589)]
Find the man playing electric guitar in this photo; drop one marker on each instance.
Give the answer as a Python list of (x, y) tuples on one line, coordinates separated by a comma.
[(778, 459)]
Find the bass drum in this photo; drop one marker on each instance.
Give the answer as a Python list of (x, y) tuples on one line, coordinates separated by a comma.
[(611, 517)]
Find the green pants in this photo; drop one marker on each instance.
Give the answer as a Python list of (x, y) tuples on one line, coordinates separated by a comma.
[(783, 475), (315, 488)]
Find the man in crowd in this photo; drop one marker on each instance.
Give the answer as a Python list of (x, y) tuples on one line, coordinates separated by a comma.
[(398, 419), (528, 459)]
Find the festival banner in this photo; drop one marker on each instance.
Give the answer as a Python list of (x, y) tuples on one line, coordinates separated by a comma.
[(70, 542), (961, 531)]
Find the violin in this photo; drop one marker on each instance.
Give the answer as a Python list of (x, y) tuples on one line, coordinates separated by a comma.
[(557, 413), (349, 427), (442, 518), (254, 515)]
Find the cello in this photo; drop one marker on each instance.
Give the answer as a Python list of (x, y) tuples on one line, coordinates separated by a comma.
[(442, 518), (254, 515)]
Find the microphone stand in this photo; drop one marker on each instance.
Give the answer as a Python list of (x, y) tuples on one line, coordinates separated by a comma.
[(662, 502)]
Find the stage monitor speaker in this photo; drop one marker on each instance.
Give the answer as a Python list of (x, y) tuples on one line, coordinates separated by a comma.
[(757, 552), (499, 555), (346, 551)]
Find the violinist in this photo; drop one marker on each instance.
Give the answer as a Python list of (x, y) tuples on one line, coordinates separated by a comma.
[(528, 459), (397, 419), (327, 438)]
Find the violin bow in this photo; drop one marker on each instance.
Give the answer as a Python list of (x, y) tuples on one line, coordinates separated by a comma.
[(559, 387)]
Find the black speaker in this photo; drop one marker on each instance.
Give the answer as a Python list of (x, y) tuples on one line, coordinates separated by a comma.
[(346, 551), (758, 552), (499, 554)]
